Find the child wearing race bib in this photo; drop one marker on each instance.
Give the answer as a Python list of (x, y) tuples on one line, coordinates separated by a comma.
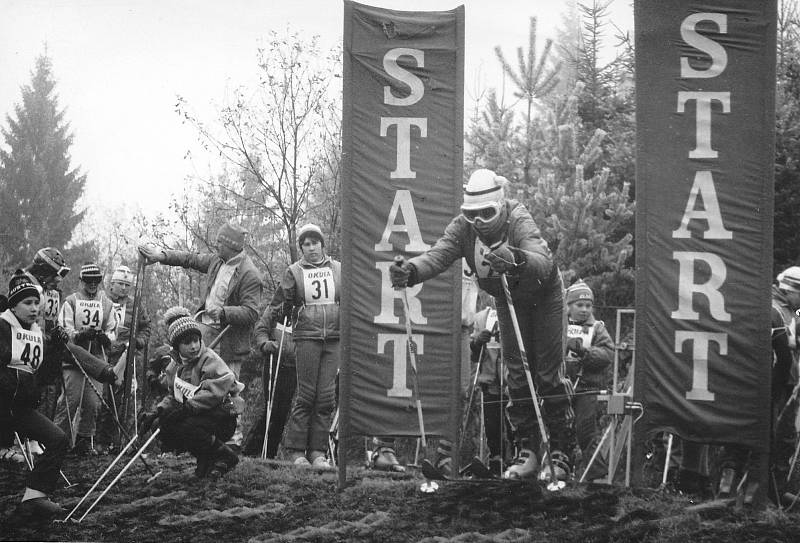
[(311, 296), (588, 357), (200, 411), (22, 357)]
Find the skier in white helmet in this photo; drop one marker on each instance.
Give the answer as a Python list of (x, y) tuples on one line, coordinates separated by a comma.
[(498, 236)]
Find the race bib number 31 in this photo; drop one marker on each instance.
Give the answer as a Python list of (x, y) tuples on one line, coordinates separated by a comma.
[(318, 286), (88, 314)]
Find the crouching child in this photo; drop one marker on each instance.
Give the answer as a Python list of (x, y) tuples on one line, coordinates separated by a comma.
[(199, 414)]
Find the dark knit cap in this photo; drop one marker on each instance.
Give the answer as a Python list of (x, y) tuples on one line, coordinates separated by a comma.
[(181, 328), (20, 287)]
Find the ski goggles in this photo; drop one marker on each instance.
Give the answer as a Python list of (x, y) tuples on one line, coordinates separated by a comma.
[(60, 270), (484, 214)]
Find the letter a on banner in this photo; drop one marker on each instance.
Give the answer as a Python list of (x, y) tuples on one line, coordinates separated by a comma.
[(704, 202), (402, 134)]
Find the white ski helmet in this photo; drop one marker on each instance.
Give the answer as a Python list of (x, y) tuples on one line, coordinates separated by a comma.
[(484, 189), (789, 279)]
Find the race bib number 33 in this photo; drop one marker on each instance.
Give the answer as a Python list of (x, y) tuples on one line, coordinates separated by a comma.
[(318, 286)]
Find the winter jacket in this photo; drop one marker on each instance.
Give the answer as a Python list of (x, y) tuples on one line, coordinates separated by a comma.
[(784, 342), (593, 365), (311, 296), (241, 303), (266, 331), (203, 383), (123, 330), (19, 387), (75, 317), (536, 267)]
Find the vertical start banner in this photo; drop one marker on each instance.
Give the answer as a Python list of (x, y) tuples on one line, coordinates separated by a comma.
[(705, 87), (402, 139)]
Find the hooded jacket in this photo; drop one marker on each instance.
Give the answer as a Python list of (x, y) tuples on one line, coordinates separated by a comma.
[(311, 296), (203, 383)]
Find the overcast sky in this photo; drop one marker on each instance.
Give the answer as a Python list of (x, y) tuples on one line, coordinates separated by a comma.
[(119, 65)]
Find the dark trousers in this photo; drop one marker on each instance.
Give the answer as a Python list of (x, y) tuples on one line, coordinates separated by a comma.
[(312, 413), (28, 422), (196, 433), (285, 386)]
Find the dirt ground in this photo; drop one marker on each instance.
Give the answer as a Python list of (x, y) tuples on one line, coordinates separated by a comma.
[(260, 502)]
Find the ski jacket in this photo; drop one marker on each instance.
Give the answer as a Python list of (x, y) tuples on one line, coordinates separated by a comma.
[(311, 296), (80, 312), (241, 302), (270, 330), (22, 356), (536, 270), (784, 341), (202, 383), (593, 366), (124, 313)]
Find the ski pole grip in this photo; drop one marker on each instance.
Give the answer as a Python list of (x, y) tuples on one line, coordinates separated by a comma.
[(399, 260)]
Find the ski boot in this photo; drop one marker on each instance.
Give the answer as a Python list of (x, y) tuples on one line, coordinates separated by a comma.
[(524, 466), (561, 467), (444, 457), (385, 459)]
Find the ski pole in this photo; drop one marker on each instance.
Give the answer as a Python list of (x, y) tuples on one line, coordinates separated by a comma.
[(122, 472), (554, 484), (102, 476), (87, 379), (398, 260), (272, 382), (468, 408)]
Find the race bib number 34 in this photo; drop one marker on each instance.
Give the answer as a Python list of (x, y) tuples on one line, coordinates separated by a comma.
[(88, 314), (318, 286)]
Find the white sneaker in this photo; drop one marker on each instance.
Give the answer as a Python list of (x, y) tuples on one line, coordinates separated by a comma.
[(301, 461)]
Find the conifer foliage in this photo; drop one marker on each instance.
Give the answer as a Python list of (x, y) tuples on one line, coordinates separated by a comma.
[(39, 187)]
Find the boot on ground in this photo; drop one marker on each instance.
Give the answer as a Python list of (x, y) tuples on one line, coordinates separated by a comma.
[(524, 466), (385, 459), (319, 460), (561, 467), (39, 509), (223, 459), (298, 458)]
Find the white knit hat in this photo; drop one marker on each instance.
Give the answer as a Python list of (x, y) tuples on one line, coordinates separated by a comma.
[(312, 230), (122, 274), (789, 279), (484, 189)]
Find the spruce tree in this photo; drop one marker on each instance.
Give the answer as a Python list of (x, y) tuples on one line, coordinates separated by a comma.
[(38, 186)]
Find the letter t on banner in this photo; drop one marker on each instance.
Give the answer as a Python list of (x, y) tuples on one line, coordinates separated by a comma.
[(705, 117), (402, 137)]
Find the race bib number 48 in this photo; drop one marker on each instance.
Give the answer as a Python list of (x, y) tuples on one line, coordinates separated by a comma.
[(318, 286), (88, 314), (26, 350)]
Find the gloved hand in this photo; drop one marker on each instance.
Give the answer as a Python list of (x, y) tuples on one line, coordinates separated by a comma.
[(575, 344), (103, 340), (401, 273), (152, 380), (109, 376), (146, 421), (501, 259), (87, 334), (480, 340), (117, 347), (59, 335), (269, 347)]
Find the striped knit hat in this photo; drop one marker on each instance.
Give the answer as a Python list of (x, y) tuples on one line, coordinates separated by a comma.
[(90, 273), (231, 236), (789, 279), (181, 328), (579, 291), (174, 313), (20, 287)]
